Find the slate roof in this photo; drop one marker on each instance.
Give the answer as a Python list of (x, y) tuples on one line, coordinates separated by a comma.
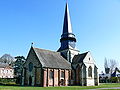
[(79, 58), (51, 59)]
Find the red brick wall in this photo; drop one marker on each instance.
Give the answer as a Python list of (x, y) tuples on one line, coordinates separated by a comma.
[(56, 81), (55, 77), (45, 78)]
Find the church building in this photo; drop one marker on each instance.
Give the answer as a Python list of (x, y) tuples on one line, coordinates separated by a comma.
[(66, 67)]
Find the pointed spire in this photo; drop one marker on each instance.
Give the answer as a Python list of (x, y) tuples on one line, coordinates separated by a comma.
[(67, 28), (68, 39)]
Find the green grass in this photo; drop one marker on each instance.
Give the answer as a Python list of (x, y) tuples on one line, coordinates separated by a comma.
[(59, 88)]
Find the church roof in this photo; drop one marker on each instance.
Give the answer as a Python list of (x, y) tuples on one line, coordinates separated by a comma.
[(79, 58), (51, 59)]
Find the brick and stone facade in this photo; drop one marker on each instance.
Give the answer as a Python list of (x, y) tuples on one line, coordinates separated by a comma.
[(56, 79), (45, 75), (62, 68)]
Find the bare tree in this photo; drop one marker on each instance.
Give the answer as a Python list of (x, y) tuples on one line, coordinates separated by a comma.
[(113, 65), (7, 58), (110, 65)]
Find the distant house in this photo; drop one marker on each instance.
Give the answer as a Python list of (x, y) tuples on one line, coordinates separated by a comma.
[(116, 73), (103, 76), (110, 77), (6, 71)]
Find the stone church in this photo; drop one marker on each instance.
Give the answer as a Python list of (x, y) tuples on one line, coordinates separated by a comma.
[(66, 67)]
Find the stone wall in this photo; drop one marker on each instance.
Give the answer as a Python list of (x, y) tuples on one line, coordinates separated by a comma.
[(32, 77)]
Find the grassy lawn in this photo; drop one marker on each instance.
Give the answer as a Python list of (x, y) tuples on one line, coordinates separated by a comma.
[(59, 88)]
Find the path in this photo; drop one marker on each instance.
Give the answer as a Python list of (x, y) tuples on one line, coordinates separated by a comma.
[(117, 88)]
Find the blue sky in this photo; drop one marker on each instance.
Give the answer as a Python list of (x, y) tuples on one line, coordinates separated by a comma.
[(96, 24)]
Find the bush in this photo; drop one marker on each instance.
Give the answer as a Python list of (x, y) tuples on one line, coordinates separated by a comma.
[(114, 79)]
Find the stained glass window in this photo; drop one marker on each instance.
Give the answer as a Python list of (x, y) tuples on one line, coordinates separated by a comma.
[(90, 71), (30, 66)]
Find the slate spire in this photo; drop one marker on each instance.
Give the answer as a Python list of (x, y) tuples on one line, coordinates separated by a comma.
[(67, 28), (67, 38)]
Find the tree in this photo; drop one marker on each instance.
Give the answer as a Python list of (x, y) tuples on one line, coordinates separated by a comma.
[(107, 69), (8, 59), (110, 65), (106, 63), (113, 65), (18, 66), (110, 69)]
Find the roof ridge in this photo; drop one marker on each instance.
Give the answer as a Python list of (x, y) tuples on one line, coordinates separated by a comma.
[(51, 59), (85, 52), (45, 50)]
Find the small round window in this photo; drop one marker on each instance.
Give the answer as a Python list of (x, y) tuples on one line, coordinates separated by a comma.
[(30, 66)]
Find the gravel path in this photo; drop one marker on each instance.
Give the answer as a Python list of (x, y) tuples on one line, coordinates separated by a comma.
[(105, 88)]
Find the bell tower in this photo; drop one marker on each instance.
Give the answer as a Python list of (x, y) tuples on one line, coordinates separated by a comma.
[(68, 40)]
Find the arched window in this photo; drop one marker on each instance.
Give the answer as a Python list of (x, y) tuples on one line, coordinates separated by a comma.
[(30, 66), (62, 74), (51, 74), (90, 71)]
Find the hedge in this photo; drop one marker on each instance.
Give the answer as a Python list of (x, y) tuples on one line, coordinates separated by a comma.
[(7, 81)]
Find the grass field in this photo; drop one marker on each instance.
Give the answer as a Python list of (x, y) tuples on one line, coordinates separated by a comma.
[(59, 88)]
